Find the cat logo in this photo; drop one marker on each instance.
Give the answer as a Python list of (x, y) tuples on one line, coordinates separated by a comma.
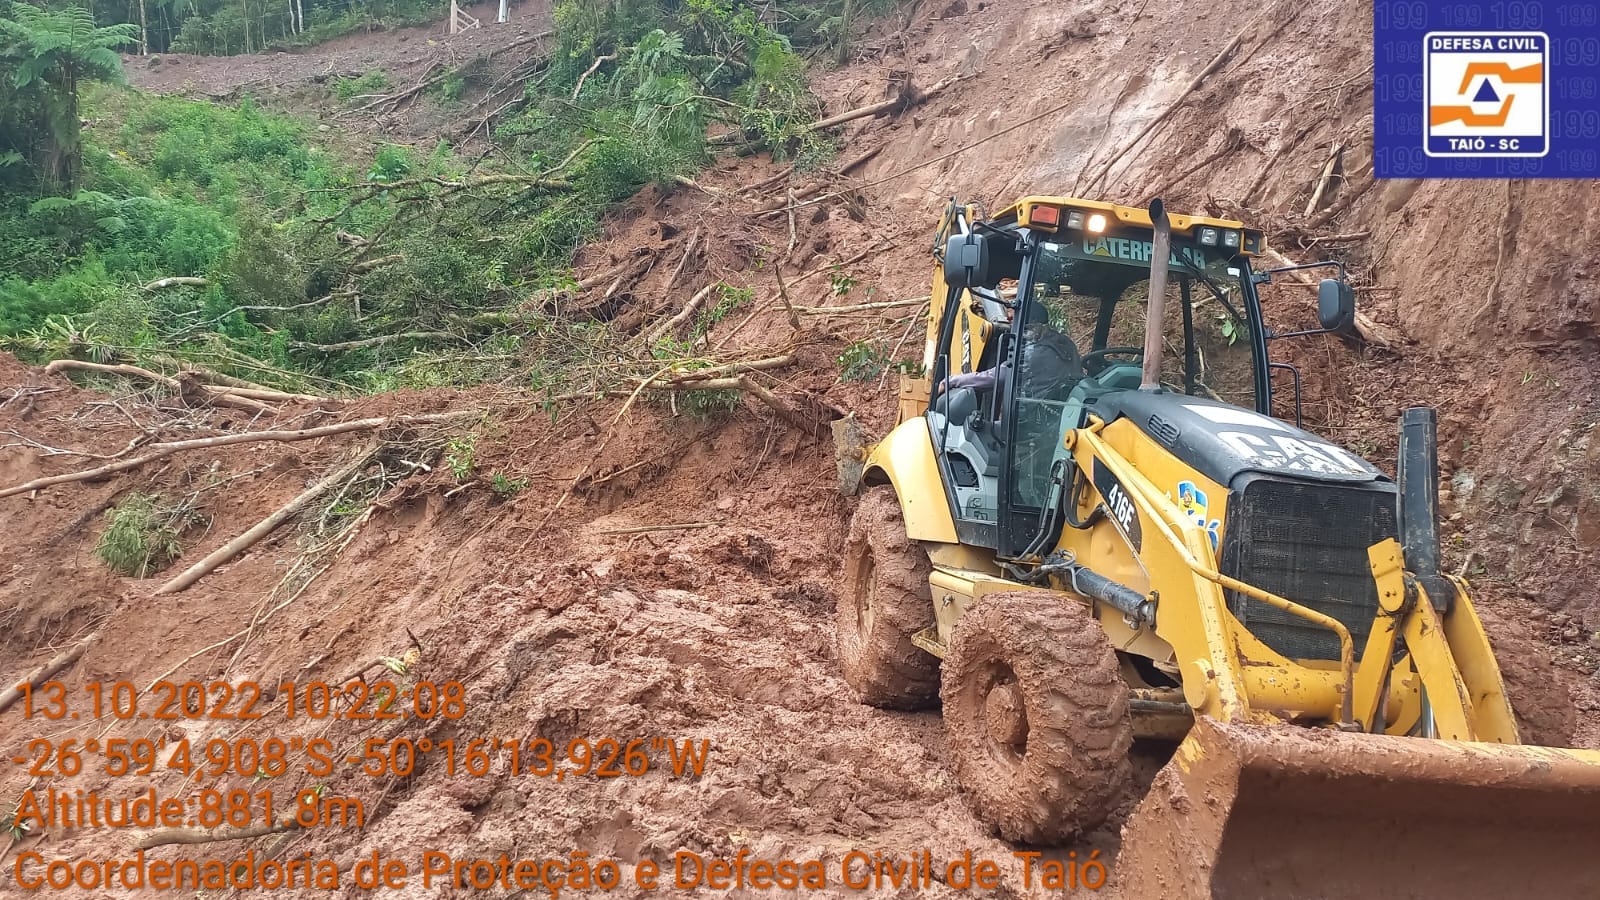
[(1194, 504)]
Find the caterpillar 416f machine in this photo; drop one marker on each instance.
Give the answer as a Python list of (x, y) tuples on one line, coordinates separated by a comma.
[(1088, 528)]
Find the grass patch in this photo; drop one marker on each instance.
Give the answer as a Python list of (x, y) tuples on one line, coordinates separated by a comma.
[(144, 534), (373, 81)]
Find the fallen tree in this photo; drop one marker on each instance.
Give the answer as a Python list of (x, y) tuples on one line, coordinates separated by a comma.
[(186, 388), (163, 450)]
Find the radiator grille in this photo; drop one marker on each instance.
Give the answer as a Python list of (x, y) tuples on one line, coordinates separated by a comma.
[(1307, 543)]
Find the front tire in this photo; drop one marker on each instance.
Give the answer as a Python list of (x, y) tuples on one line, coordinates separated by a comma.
[(883, 601), (1037, 716)]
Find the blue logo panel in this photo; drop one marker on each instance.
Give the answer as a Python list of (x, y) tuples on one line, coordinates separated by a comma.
[(1504, 89)]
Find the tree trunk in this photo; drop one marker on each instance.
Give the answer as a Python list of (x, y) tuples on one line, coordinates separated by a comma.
[(70, 155), (144, 32), (841, 50)]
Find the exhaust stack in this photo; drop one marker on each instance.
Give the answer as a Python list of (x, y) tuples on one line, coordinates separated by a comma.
[(1155, 309)]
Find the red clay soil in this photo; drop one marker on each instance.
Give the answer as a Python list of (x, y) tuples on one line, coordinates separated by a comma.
[(571, 622)]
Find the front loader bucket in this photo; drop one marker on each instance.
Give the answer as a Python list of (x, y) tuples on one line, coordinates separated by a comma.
[(1247, 811)]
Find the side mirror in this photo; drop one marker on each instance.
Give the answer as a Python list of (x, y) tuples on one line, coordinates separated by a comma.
[(1336, 306), (966, 260)]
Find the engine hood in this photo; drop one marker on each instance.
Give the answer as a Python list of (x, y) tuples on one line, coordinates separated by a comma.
[(1224, 441)]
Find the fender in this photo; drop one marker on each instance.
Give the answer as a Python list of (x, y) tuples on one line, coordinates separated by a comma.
[(905, 459)]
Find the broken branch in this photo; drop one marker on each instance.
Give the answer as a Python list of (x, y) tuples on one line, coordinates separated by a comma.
[(1369, 331), (734, 368), (377, 341), (784, 410), (164, 450), (688, 251), (655, 334), (593, 67), (882, 106), (1324, 178), (859, 307), (783, 297), (262, 528), (194, 836), (643, 529)]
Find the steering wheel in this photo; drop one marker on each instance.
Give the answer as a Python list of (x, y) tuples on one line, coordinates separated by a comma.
[(1095, 362)]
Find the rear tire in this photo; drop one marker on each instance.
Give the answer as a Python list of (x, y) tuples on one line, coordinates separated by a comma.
[(883, 601), (1037, 716)]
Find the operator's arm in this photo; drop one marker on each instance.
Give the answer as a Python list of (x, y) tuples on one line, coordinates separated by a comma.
[(983, 381)]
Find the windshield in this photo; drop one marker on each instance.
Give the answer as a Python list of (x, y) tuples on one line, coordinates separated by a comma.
[(1096, 289)]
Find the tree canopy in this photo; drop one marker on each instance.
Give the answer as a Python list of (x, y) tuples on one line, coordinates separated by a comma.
[(45, 55)]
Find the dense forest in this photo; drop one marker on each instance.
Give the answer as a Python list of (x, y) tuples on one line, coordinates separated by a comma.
[(173, 231)]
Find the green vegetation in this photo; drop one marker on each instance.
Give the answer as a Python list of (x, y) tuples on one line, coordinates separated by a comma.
[(506, 487), (841, 282), (863, 360), (308, 268), (710, 405), (460, 456), (348, 89), (49, 55), (143, 534)]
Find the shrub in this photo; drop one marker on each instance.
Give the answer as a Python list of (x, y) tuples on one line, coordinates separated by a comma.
[(459, 456), (391, 163), (862, 360), (505, 488), (143, 534)]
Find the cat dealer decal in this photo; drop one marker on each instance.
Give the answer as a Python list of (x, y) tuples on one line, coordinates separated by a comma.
[(1291, 454), (1270, 445), (1119, 506)]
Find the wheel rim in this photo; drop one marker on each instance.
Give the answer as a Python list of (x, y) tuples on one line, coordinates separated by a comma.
[(1005, 715)]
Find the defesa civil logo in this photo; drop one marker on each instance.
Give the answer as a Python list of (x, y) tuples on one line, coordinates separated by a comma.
[(1486, 93)]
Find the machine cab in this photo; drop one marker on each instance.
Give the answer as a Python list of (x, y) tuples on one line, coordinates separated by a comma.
[(1043, 325)]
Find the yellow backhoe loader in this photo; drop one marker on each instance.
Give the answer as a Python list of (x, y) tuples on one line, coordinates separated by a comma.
[(1089, 528)]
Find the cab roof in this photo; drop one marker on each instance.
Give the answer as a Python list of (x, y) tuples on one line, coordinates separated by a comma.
[(1132, 216)]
